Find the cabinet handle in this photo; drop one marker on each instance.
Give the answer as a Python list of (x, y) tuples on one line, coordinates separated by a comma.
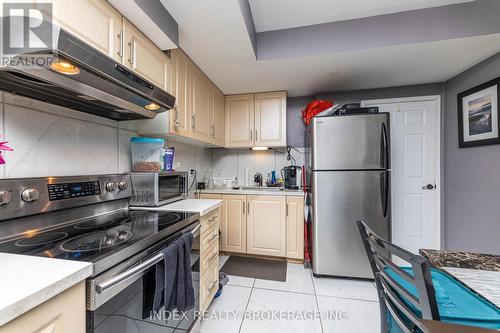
[(193, 119), (286, 209), (244, 208), (213, 131), (248, 207), (251, 133), (212, 257), (131, 44), (177, 122), (120, 49), (256, 135)]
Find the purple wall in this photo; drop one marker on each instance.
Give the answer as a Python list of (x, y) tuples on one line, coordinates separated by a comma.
[(471, 175)]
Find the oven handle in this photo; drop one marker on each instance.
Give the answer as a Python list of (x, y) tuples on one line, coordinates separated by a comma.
[(136, 270)]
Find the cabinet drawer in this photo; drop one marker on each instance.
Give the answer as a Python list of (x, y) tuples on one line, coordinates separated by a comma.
[(210, 220), (209, 258), (209, 238), (209, 284)]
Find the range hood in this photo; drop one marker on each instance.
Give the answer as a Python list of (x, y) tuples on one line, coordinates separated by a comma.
[(93, 84)]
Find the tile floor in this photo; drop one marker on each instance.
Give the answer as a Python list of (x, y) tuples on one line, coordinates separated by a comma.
[(301, 304)]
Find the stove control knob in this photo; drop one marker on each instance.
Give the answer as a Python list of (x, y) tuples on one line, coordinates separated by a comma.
[(123, 185), (110, 187), (5, 197), (30, 194)]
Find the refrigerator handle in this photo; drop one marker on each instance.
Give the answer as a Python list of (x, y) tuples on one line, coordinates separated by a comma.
[(384, 192), (384, 149)]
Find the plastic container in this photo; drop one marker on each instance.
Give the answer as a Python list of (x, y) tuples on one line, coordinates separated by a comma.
[(146, 154), (457, 304)]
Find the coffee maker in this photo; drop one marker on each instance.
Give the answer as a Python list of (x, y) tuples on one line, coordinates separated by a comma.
[(293, 177)]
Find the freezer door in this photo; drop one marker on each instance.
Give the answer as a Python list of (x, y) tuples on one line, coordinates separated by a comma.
[(351, 142), (339, 199)]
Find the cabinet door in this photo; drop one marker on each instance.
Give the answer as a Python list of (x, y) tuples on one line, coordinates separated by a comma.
[(234, 224), (270, 119), (217, 116), (266, 225), (295, 228), (200, 106), (239, 120), (93, 21), (143, 57), (180, 117)]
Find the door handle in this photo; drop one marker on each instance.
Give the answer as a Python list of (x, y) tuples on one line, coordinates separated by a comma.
[(429, 187), (384, 151)]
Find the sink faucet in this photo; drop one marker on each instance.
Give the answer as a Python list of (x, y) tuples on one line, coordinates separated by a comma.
[(257, 178)]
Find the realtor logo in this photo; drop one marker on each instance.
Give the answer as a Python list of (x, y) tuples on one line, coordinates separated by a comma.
[(27, 27)]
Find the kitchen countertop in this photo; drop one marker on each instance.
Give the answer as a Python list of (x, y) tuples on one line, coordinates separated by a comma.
[(485, 283), (201, 206), (441, 258), (262, 191), (28, 281)]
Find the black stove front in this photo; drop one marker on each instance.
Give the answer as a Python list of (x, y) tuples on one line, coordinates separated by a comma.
[(95, 238)]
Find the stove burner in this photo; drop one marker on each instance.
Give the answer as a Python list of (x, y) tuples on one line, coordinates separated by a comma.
[(169, 218), (41, 239), (95, 223), (96, 240)]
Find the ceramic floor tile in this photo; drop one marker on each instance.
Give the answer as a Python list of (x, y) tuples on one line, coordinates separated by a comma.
[(363, 290), (226, 312), (298, 279), (240, 281), (278, 311), (349, 316)]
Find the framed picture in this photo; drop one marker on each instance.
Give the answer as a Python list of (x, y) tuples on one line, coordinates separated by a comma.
[(478, 119)]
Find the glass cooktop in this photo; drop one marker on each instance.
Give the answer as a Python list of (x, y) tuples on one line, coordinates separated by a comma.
[(95, 238)]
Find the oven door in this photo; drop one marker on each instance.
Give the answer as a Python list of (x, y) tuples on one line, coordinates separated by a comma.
[(115, 299)]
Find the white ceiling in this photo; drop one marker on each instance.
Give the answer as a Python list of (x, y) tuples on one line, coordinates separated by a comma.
[(213, 34), (283, 14)]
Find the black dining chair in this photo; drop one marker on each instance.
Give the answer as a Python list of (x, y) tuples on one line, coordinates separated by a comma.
[(393, 297)]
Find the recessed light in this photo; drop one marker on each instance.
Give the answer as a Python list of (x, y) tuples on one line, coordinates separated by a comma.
[(65, 68), (260, 148)]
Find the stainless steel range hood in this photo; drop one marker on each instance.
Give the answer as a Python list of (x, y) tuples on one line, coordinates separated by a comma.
[(100, 85)]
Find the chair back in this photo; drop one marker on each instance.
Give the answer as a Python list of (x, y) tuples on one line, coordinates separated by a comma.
[(393, 296)]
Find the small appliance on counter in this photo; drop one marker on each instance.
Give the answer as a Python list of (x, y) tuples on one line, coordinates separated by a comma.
[(293, 177), (153, 189)]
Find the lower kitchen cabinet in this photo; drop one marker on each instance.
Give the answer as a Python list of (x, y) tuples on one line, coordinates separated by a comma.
[(295, 228), (209, 257), (266, 225), (262, 225), (60, 314), (234, 223)]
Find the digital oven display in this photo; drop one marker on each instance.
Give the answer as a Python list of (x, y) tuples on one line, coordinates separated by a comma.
[(73, 190)]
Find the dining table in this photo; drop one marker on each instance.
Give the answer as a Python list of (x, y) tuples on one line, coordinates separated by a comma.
[(477, 271)]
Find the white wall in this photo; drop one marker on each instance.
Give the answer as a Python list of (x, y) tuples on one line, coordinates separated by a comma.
[(233, 162), (53, 141)]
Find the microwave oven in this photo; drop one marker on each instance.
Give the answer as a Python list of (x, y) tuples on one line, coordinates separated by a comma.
[(152, 189)]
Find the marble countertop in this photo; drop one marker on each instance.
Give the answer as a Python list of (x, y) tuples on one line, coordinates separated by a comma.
[(441, 258), (260, 191), (201, 206), (28, 281)]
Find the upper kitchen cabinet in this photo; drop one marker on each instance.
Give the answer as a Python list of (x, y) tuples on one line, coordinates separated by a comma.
[(180, 122), (270, 119), (100, 28), (217, 116), (143, 57), (256, 120), (239, 120), (200, 106)]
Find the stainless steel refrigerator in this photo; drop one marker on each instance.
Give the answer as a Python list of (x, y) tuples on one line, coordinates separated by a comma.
[(350, 180)]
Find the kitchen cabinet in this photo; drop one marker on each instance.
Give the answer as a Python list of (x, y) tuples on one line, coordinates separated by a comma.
[(270, 119), (266, 225), (217, 116), (239, 120), (143, 57), (209, 257), (60, 314), (256, 120), (295, 228), (200, 106), (234, 223), (94, 21)]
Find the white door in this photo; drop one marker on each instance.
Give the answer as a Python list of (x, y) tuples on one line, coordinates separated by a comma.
[(415, 157)]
